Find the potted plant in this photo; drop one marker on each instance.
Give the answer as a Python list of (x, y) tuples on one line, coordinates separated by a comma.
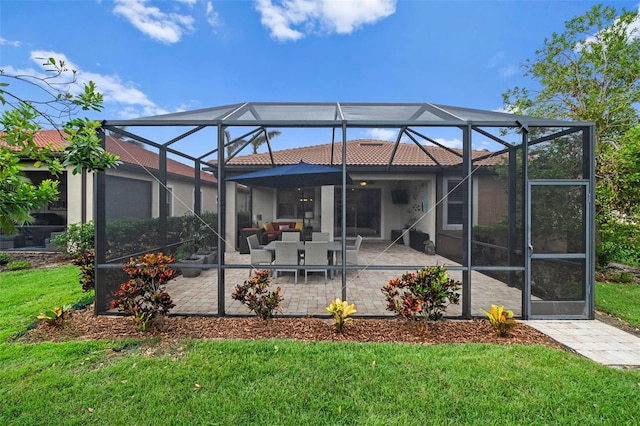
[(191, 245)]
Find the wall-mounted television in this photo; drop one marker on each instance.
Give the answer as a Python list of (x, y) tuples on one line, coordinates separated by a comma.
[(399, 196)]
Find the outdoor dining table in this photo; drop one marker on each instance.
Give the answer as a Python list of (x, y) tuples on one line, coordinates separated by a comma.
[(333, 247)]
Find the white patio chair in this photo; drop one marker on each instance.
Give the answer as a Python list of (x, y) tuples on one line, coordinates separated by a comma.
[(259, 256), (316, 254), (286, 254), (291, 236), (352, 252), (320, 236)]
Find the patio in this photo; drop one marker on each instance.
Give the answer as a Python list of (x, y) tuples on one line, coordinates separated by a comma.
[(199, 295)]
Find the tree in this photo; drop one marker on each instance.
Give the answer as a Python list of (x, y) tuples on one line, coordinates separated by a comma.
[(622, 189), (262, 138), (20, 123), (589, 72), (256, 142), (232, 147)]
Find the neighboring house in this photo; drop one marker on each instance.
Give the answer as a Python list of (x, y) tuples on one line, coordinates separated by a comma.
[(419, 187), (136, 179)]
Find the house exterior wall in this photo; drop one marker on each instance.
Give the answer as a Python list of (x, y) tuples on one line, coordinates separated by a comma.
[(71, 200), (74, 197), (421, 188), (182, 192), (489, 207)]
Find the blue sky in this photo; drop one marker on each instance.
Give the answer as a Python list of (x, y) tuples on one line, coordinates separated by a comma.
[(154, 57)]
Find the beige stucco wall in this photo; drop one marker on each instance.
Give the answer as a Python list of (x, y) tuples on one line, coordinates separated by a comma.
[(183, 194), (421, 188)]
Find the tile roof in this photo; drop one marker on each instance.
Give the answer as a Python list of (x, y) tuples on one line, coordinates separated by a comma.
[(129, 153), (365, 152)]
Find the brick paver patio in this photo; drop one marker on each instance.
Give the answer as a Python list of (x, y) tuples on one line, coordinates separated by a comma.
[(199, 295)]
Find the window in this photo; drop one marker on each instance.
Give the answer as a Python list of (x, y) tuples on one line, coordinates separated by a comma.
[(169, 200), (453, 203), (292, 203)]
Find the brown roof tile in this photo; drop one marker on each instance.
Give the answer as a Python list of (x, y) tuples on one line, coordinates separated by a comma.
[(364, 152), (128, 152)]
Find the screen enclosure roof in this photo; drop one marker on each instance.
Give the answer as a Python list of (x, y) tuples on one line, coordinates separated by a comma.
[(336, 114)]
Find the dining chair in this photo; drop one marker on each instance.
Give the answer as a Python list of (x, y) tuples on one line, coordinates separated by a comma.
[(286, 254), (320, 236), (352, 252), (291, 236), (316, 254), (259, 256)]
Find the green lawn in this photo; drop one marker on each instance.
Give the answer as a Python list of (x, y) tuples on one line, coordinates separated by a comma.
[(619, 300), (296, 383), (24, 294)]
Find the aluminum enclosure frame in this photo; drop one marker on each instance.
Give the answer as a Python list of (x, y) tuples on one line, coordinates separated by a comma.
[(409, 118)]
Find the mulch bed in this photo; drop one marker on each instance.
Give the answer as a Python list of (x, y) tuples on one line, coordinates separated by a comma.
[(83, 325), (38, 259)]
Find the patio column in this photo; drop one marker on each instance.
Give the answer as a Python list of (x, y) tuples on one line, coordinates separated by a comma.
[(100, 243), (467, 220), (222, 216), (231, 217), (327, 204)]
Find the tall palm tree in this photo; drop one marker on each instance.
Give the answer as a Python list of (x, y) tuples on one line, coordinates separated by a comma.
[(232, 147), (255, 142), (262, 138)]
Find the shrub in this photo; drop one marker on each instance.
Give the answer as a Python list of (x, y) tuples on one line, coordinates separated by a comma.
[(143, 295), (87, 269), (76, 239), (55, 316), (340, 311), (4, 258), (619, 242), (18, 265), (423, 294), (253, 293), (500, 319)]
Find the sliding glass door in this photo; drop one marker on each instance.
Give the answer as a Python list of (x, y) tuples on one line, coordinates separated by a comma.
[(363, 212)]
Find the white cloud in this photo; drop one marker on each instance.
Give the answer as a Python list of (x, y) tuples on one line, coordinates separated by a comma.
[(4, 41), (125, 96), (213, 17), (450, 143), (508, 71), (293, 19), (383, 134), (165, 27), (633, 31), (496, 62), (508, 109)]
